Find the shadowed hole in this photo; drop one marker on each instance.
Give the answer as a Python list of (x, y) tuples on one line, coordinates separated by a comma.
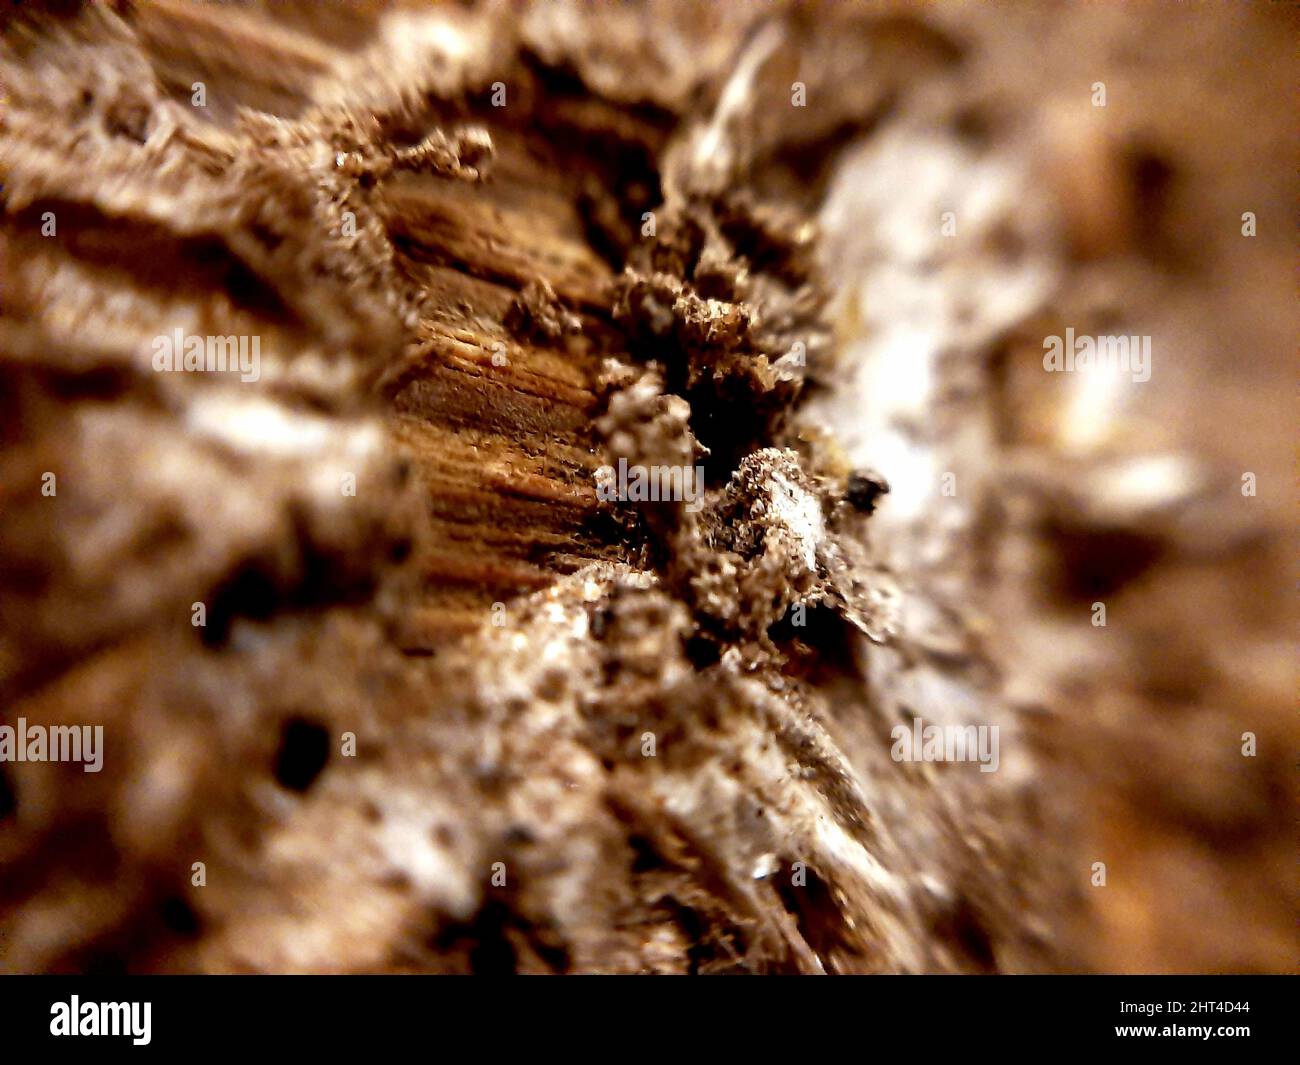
[(304, 750), (8, 796), (179, 917)]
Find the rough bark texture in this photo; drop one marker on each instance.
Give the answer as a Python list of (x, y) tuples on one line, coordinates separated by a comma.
[(487, 256)]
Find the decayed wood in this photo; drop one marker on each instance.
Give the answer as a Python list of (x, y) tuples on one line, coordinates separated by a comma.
[(583, 741), (448, 709)]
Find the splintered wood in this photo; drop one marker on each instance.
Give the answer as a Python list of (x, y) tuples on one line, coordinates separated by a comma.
[(432, 459)]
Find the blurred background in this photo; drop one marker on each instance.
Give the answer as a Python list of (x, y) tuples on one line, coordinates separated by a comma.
[(1077, 489)]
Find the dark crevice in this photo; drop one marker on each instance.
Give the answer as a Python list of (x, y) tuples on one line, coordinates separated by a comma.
[(155, 257), (961, 926), (645, 858), (8, 794), (303, 754), (815, 911), (1097, 563), (249, 592), (820, 650), (498, 941), (180, 918)]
